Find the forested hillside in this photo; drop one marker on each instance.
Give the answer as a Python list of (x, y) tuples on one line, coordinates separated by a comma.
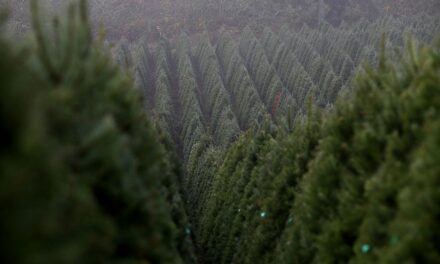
[(220, 132)]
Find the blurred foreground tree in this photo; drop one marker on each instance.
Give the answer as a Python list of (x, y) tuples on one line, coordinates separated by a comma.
[(83, 176)]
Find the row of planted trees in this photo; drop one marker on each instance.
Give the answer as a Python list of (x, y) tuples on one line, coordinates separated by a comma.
[(205, 91), (241, 81), (85, 178), (357, 184), (244, 209)]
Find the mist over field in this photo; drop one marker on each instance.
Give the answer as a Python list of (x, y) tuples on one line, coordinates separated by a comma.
[(139, 19), (220, 131)]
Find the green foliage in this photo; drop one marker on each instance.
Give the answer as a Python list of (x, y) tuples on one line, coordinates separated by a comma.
[(291, 72), (123, 55), (173, 190), (245, 99), (144, 75), (213, 93), (271, 89), (192, 116), (83, 177), (234, 86), (222, 121), (163, 108), (355, 185)]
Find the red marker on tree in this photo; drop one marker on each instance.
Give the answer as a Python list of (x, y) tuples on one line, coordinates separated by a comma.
[(276, 103)]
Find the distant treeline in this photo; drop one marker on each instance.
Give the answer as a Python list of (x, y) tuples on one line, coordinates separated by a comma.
[(137, 19)]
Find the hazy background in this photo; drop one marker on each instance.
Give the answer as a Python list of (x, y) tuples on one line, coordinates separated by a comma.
[(147, 19)]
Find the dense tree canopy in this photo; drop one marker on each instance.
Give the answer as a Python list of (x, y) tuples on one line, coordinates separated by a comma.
[(84, 176), (263, 131)]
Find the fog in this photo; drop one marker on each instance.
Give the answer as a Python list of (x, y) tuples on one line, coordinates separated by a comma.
[(147, 19)]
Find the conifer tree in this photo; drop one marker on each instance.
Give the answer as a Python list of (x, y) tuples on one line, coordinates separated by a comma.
[(249, 108), (340, 187), (163, 108), (145, 75), (291, 72), (222, 121), (271, 89), (192, 117), (123, 55), (84, 173)]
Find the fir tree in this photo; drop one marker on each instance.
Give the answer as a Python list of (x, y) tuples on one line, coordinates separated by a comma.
[(90, 184)]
